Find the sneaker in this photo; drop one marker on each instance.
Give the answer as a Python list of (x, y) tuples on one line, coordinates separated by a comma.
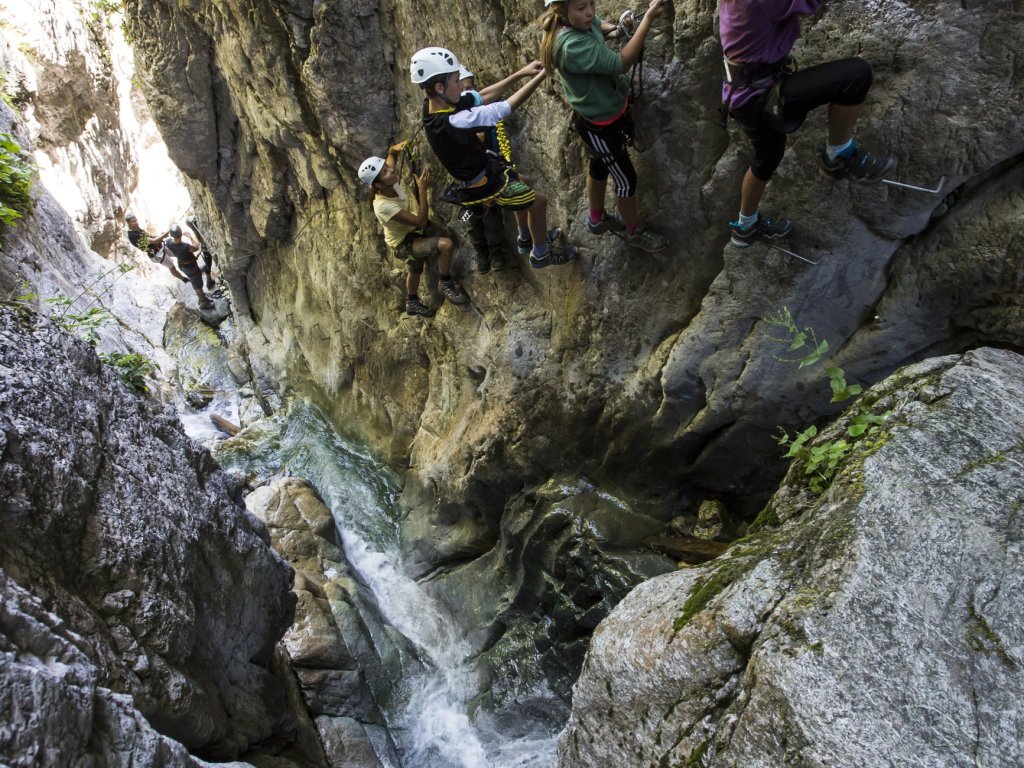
[(858, 164), (524, 245), (651, 242), (765, 228), (609, 221), (417, 307), (555, 255), (483, 265), (453, 292)]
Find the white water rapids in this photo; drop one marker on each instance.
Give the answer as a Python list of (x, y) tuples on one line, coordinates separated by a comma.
[(431, 721)]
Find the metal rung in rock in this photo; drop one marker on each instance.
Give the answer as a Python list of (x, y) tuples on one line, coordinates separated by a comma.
[(938, 187)]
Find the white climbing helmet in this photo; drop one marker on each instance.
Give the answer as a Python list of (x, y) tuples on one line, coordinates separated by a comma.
[(551, 2), (370, 170), (464, 72), (430, 62)]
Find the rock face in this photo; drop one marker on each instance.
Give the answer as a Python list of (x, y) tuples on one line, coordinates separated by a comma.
[(651, 375), (155, 589), (648, 373), (877, 624)]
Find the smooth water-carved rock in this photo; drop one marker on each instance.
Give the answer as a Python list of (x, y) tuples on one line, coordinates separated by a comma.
[(879, 625), (343, 667), (134, 538)]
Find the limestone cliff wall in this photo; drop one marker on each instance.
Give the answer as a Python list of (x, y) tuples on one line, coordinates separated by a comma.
[(647, 371), (135, 584)]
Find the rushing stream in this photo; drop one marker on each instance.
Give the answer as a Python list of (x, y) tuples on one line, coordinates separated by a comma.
[(430, 720)]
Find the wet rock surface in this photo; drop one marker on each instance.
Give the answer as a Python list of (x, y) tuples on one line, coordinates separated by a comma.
[(343, 667), (877, 625)]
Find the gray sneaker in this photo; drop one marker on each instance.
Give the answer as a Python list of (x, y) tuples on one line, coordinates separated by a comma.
[(417, 307), (609, 222), (651, 242), (453, 292)]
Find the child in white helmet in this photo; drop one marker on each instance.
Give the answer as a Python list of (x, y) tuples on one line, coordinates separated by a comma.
[(486, 225), (410, 236), (451, 122), (596, 87)]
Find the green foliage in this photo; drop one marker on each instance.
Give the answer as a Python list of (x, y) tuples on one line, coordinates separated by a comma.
[(16, 175), (86, 325), (795, 339), (822, 458), (133, 367)]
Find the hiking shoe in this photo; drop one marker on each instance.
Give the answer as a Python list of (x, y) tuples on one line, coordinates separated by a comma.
[(453, 292), (609, 221), (206, 304), (765, 228), (858, 164), (417, 307), (524, 245), (651, 242), (211, 284), (483, 265), (555, 255)]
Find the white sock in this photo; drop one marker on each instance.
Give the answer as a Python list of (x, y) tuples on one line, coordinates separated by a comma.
[(746, 222), (834, 151)]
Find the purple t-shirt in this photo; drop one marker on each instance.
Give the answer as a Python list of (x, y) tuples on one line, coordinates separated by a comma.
[(758, 32)]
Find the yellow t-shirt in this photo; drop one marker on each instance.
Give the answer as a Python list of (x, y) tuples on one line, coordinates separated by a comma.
[(385, 208)]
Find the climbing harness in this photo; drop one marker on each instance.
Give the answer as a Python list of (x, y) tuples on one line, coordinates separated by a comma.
[(767, 77)]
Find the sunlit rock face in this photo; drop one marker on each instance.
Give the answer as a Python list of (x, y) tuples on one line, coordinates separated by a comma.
[(138, 586), (877, 624), (648, 371)]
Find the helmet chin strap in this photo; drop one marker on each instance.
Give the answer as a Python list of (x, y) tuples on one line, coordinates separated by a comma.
[(444, 95)]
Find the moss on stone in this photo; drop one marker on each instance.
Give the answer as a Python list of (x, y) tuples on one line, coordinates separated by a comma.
[(981, 637), (703, 593), (996, 457)]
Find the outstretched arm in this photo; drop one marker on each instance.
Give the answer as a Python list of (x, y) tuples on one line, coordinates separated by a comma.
[(492, 92), (631, 51), (523, 93), (394, 152)]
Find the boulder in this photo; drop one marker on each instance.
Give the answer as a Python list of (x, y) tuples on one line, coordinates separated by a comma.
[(876, 624)]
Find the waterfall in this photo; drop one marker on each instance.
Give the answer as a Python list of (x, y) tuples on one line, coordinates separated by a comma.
[(430, 720)]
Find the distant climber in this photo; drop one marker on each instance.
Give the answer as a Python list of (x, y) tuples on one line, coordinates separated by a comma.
[(204, 249), (152, 246), (187, 255), (410, 236), (597, 89), (451, 122), (764, 93), (486, 224)]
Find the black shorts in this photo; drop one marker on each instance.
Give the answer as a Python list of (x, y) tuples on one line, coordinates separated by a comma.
[(845, 82), (606, 147)]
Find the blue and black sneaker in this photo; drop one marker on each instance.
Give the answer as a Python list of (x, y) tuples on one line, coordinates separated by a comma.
[(765, 228), (857, 163)]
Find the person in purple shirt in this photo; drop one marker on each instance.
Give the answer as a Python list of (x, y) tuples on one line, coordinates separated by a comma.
[(764, 94)]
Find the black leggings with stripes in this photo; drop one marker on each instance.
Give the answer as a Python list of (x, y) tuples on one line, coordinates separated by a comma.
[(606, 147)]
